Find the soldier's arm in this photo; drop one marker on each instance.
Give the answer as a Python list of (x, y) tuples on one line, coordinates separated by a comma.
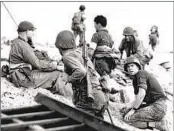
[(142, 86), (121, 48), (79, 72), (140, 50), (95, 38), (139, 98), (30, 57)]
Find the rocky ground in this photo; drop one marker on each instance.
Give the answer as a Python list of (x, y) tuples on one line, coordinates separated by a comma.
[(12, 97)]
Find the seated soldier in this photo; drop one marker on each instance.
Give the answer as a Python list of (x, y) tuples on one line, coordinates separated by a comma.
[(149, 107), (78, 76), (23, 60)]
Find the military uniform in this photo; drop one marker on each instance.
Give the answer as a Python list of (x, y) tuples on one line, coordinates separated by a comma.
[(74, 66), (135, 48), (78, 25), (154, 37), (23, 60), (132, 48), (153, 41), (103, 55), (153, 107)]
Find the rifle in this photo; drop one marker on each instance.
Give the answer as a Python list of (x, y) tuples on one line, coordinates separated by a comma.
[(90, 95)]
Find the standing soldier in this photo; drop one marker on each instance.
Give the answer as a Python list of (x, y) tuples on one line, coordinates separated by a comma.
[(103, 54), (77, 75), (78, 25), (154, 37)]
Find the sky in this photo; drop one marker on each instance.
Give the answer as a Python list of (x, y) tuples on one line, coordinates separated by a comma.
[(52, 17)]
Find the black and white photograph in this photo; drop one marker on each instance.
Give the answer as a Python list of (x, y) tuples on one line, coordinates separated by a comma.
[(86, 66)]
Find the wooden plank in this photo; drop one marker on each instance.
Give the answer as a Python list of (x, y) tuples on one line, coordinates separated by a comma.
[(26, 109), (23, 108), (76, 114), (26, 115), (66, 128), (33, 127), (28, 123)]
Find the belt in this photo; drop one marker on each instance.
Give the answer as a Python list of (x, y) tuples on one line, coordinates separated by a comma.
[(103, 48)]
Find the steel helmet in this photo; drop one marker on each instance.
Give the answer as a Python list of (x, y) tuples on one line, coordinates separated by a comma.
[(128, 31), (65, 40), (24, 26), (132, 59), (82, 8)]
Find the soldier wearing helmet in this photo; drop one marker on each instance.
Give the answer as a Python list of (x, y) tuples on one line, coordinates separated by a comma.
[(130, 44), (154, 37), (133, 46), (26, 68), (78, 25), (75, 73), (149, 107)]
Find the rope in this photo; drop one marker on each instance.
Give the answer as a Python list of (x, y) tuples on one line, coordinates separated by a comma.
[(9, 13)]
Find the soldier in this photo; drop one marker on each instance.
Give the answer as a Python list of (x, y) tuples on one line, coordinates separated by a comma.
[(78, 25), (26, 69), (154, 37), (103, 57), (77, 75), (149, 107), (133, 46)]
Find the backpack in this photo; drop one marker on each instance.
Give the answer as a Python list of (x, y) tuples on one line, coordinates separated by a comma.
[(77, 18)]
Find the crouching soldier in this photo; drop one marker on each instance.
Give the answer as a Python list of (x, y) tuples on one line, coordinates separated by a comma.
[(26, 69), (149, 106), (77, 75), (133, 46)]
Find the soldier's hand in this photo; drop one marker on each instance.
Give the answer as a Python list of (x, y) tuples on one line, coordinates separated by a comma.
[(54, 64), (60, 68), (128, 115)]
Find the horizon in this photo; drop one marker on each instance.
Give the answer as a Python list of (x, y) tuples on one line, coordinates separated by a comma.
[(52, 17)]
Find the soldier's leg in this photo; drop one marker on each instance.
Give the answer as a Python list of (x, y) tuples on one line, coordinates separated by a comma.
[(151, 113), (101, 102), (51, 81), (153, 47)]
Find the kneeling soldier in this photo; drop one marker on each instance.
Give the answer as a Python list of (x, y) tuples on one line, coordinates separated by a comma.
[(147, 90)]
